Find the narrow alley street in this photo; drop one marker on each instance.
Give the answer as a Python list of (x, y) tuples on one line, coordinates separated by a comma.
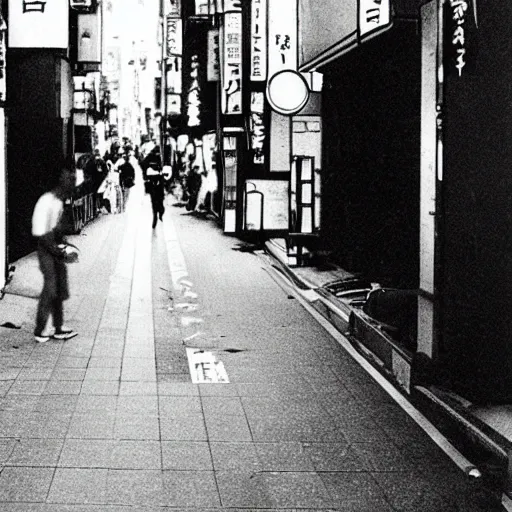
[(120, 418)]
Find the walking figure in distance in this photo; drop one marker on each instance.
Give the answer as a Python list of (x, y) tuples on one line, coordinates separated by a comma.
[(49, 227), (155, 188), (126, 177)]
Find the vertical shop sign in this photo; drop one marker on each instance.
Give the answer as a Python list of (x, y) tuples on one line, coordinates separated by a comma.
[(213, 70), (373, 14), (462, 41), (259, 40), (232, 65), (38, 23), (202, 7), (458, 9), (174, 104), (89, 37), (3, 28), (282, 36), (174, 37), (173, 76), (257, 126), (174, 8)]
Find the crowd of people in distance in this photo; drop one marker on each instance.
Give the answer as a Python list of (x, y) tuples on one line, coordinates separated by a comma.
[(182, 170)]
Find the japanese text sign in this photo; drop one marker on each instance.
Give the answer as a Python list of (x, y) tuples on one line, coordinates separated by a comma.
[(3, 52), (373, 15), (174, 37), (457, 35), (213, 70), (38, 23), (232, 64), (173, 8), (282, 36), (259, 40), (257, 126)]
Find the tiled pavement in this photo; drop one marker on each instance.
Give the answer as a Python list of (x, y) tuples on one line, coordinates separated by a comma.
[(111, 422)]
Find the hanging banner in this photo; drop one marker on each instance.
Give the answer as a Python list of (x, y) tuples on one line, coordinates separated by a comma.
[(282, 36), (213, 69), (259, 40), (461, 42), (257, 126), (193, 96), (231, 100), (373, 15), (38, 23), (174, 37)]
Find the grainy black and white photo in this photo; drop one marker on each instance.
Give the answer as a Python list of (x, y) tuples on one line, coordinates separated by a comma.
[(255, 256)]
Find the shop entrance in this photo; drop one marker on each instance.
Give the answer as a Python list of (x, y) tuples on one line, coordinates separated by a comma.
[(370, 195)]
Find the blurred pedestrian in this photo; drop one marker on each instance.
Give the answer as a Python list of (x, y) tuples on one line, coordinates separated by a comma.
[(95, 171), (155, 188), (126, 177), (49, 227), (152, 161)]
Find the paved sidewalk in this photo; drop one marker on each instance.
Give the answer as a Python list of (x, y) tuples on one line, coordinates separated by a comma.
[(111, 421)]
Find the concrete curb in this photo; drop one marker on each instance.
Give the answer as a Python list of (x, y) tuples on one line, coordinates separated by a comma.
[(453, 420)]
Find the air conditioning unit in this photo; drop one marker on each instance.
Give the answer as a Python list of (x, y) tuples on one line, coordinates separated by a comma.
[(82, 5)]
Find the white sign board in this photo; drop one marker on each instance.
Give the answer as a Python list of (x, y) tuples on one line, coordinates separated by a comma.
[(232, 64), (173, 8), (259, 40), (89, 37), (3, 52), (373, 14), (202, 7), (272, 196), (232, 5), (282, 35), (174, 37), (173, 76), (38, 23)]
